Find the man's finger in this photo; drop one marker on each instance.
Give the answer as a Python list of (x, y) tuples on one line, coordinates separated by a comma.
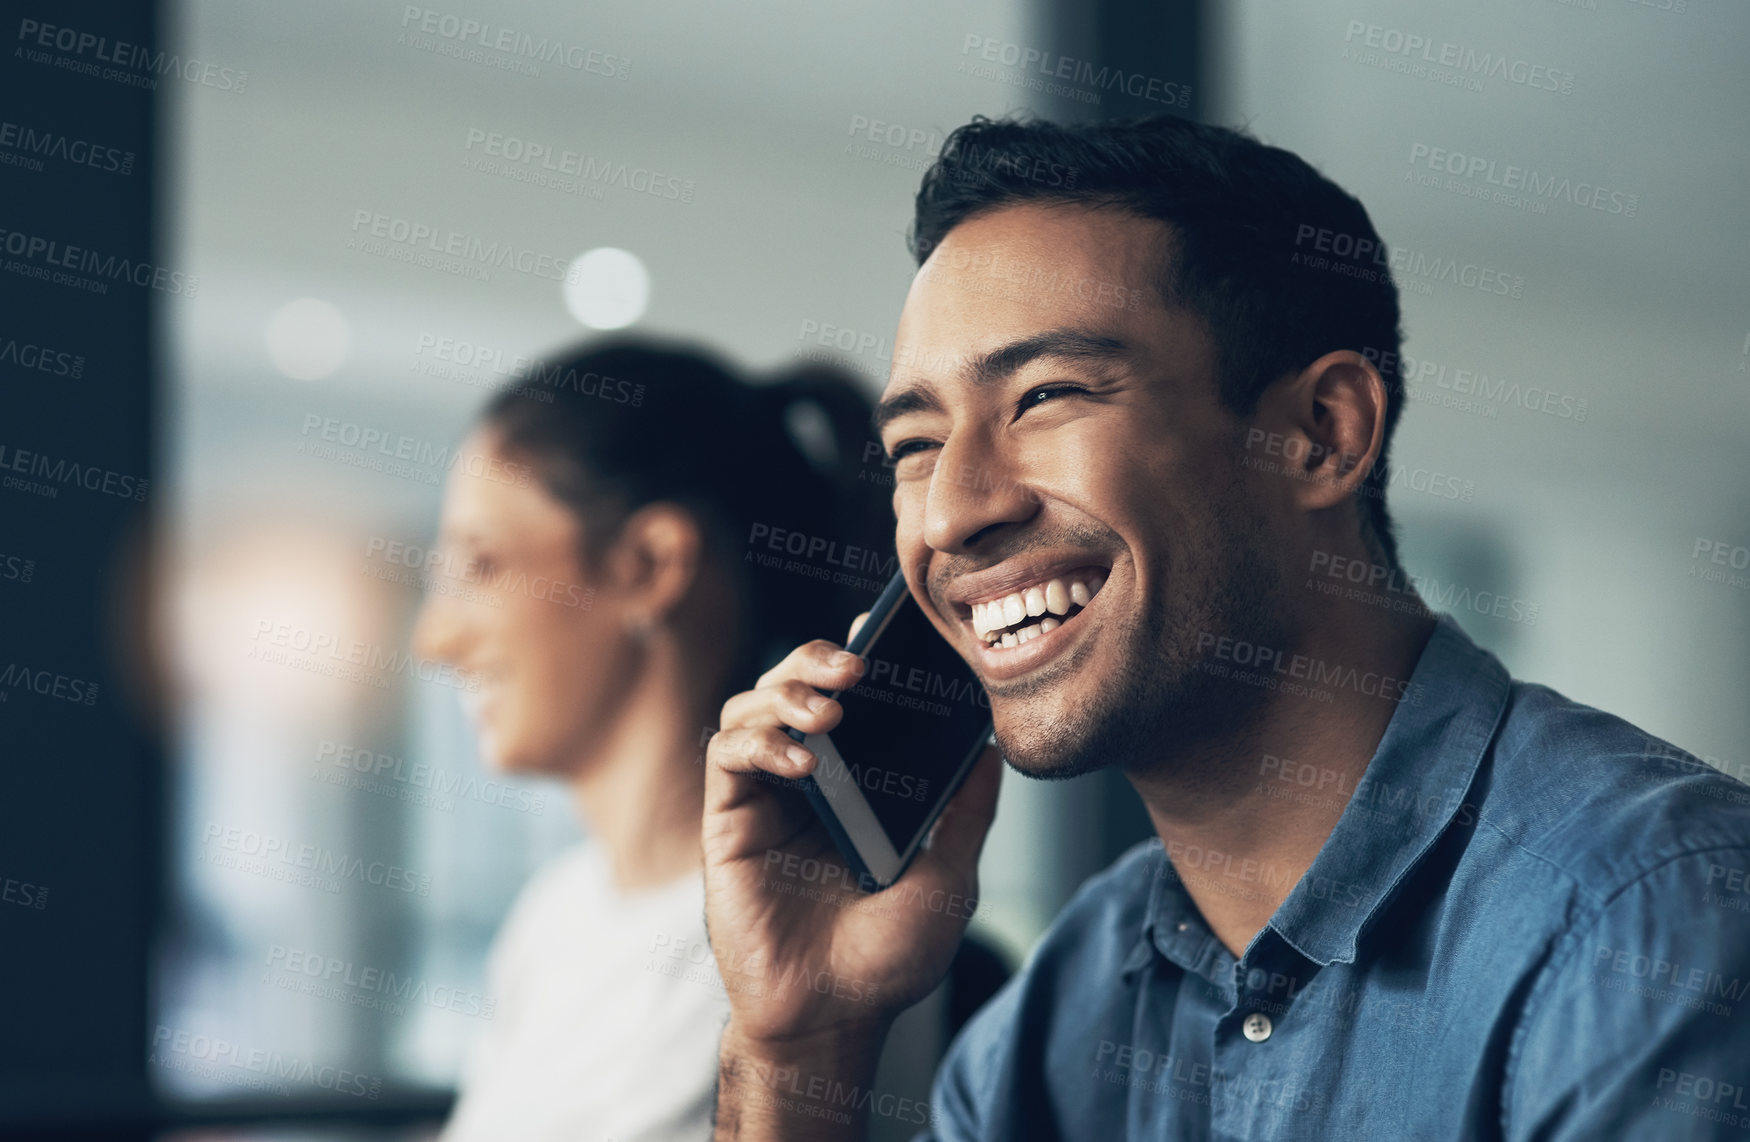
[(818, 663), (763, 749), (790, 703)]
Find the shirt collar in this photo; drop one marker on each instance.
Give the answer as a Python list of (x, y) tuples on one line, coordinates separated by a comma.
[(1410, 792)]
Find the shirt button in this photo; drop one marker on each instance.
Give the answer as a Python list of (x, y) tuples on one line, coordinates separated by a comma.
[(1183, 924), (1257, 1027)]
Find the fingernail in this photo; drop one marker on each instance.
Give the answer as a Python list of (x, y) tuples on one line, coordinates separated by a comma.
[(798, 756), (816, 702), (845, 658)]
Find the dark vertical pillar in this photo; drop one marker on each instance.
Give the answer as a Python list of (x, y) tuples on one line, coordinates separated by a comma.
[(1141, 57), (80, 779)]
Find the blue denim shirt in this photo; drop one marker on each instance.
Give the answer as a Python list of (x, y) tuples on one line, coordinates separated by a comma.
[(1532, 921)]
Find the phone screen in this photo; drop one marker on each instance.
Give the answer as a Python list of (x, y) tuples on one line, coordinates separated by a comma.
[(909, 723)]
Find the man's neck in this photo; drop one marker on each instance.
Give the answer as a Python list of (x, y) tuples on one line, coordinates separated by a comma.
[(1243, 815)]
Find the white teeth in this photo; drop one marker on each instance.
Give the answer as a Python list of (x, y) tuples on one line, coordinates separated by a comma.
[(1046, 601), (1028, 633)]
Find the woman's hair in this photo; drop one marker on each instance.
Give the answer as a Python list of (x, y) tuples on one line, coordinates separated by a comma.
[(778, 475)]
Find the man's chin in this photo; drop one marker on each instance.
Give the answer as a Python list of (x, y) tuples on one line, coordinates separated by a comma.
[(1125, 725), (1047, 752)]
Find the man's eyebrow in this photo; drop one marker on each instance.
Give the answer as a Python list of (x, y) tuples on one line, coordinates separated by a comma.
[(912, 398), (1071, 343), (993, 366)]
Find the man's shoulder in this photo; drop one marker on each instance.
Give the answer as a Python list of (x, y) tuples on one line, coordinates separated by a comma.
[(1637, 864), (1602, 800), (1118, 895), (1106, 915), (1058, 1002)]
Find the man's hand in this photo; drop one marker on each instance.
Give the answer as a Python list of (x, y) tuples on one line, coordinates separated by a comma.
[(815, 969)]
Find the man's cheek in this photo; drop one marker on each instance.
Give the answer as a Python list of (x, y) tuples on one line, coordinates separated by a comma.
[(910, 503)]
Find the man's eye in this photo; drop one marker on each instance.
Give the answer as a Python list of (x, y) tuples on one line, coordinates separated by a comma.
[(1044, 393), (905, 448)]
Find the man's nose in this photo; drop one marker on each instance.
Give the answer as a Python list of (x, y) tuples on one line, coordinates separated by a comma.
[(974, 490)]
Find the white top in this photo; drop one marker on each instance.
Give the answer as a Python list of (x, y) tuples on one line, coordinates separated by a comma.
[(609, 1011)]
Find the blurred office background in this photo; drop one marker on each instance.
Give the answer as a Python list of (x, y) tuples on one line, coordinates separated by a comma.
[(1600, 459)]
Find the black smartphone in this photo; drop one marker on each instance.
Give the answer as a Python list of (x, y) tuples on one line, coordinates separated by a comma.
[(912, 727)]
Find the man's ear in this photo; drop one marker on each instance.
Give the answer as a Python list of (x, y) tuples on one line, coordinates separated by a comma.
[(1330, 422), (654, 561)]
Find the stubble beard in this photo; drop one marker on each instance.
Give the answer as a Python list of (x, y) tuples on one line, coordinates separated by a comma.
[(1164, 700)]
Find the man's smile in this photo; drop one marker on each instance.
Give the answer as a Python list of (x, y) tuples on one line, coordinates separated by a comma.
[(1021, 616), (1024, 612)]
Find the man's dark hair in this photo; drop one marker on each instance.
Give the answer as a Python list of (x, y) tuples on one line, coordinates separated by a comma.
[(1257, 234)]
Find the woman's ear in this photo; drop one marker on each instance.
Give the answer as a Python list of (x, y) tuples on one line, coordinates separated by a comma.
[(654, 561)]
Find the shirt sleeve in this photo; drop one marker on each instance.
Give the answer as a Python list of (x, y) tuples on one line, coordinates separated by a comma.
[(1640, 1027)]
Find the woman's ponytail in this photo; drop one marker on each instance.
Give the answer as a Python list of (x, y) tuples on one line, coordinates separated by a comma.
[(812, 586), (785, 477)]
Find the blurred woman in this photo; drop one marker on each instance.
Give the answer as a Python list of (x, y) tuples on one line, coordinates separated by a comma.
[(617, 513)]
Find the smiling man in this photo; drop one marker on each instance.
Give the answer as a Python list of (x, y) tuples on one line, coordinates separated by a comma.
[(1140, 436)]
